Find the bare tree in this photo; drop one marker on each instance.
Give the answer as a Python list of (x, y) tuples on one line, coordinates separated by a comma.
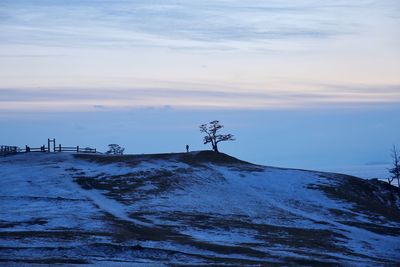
[(395, 170), (115, 149), (211, 130)]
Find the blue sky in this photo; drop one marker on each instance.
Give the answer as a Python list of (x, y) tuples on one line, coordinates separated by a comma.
[(299, 66)]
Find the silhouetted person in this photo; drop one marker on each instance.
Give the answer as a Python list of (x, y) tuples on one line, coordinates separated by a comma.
[(187, 148)]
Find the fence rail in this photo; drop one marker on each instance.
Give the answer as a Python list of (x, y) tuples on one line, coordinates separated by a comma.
[(77, 149), (35, 149)]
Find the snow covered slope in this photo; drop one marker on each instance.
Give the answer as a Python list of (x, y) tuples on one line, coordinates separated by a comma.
[(194, 208)]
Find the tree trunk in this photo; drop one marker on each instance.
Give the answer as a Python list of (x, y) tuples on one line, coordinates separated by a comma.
[(216, 148)]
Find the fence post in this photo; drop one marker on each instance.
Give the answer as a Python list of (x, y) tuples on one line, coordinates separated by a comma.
[(59, 147), (77, 148)]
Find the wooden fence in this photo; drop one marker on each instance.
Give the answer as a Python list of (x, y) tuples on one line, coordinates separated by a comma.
[(59, 148), (10, 150)]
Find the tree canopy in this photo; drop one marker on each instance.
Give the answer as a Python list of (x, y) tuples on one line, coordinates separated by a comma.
[(212, 136)]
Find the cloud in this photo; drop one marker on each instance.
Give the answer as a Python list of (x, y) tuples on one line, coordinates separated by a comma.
[(171, 23), (99, 106), (88, 98)]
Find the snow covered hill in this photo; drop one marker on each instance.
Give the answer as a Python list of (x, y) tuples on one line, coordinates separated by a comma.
[(195, 208)]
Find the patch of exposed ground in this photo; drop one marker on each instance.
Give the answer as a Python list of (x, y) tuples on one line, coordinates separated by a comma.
[(300, 239), (374, 199), (26, 223), (131, 187), (245, 254)]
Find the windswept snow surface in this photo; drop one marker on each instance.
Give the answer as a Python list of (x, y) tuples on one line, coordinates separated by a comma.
[(194, 208)]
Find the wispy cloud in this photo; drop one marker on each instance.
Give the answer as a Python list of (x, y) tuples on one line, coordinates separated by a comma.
[(172, 23)]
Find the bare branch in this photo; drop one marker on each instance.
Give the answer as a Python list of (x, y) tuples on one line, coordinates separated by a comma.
[(225, 137)]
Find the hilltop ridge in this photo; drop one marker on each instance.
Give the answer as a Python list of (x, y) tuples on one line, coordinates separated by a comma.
[(195, 157)]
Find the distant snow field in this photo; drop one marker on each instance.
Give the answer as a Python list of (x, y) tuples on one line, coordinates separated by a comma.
[(379, 171)]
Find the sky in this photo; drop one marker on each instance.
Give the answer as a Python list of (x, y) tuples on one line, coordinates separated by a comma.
[(307, 83)]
